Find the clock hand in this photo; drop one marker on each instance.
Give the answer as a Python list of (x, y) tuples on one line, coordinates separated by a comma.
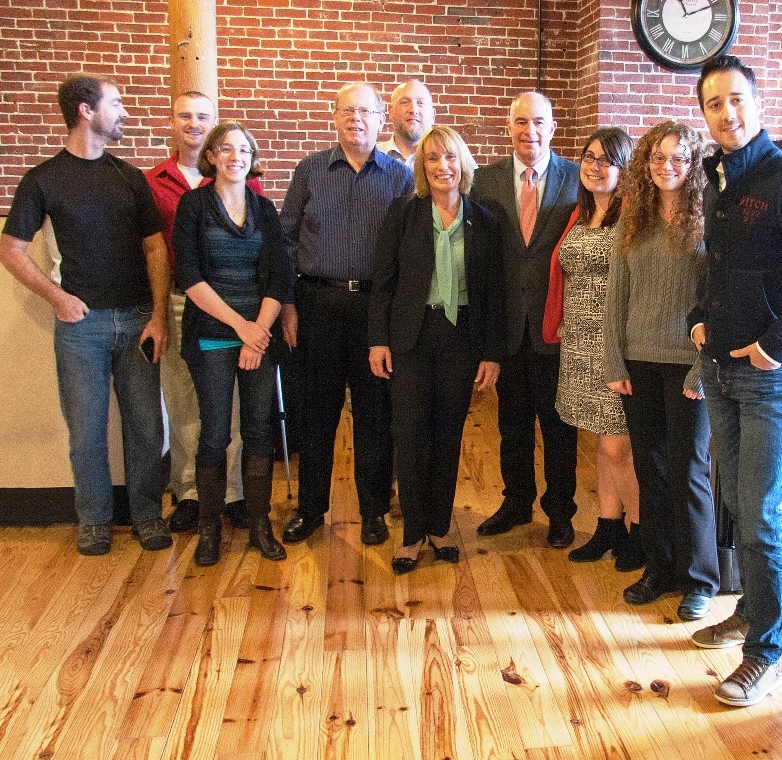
[(711, 4)]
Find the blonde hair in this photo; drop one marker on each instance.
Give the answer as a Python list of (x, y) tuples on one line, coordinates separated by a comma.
[(448, 140)]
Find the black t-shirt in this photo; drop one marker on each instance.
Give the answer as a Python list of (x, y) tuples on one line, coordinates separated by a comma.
[(101, 210)]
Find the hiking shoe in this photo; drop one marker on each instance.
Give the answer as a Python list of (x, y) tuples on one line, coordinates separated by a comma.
[(153, 534), (749, 683), (93, 540), (728, 633)]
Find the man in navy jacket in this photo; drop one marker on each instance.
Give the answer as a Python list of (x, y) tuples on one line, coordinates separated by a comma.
[(736, 327)]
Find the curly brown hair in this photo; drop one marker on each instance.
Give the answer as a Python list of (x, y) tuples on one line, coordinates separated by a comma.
[(642, 196)]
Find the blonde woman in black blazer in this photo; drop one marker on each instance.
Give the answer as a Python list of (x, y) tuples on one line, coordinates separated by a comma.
[(437, 330)]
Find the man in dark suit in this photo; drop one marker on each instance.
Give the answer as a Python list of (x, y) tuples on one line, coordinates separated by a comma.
[(527, 386)]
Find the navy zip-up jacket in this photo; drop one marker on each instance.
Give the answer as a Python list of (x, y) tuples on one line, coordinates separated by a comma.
[(740, 299)]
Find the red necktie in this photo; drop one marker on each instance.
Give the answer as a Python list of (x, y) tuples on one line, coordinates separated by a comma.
[(528, 204)]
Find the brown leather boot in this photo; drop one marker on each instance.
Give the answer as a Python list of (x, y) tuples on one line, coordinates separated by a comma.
[(210, 482), (257, 482)]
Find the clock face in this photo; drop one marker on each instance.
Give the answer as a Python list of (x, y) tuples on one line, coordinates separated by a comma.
[(682, 34)]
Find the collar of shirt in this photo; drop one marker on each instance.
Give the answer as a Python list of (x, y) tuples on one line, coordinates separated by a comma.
[(338, 155), (541, 168)]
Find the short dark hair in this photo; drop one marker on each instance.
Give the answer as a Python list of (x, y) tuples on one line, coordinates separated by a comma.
[(77, 89), (725, 63), (215, 138)]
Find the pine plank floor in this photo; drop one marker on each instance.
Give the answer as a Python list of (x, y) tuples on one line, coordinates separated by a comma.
[(513, 653)]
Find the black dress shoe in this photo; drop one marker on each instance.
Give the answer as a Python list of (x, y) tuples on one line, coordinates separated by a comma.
[(446, 553), (508, 516), (560, 532), (300, 528), (373, 530), (649, 587), (694, 606), (402, 565), (184, 517)]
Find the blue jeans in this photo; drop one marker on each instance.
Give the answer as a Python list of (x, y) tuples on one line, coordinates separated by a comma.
[(89, 353), (214, 373), (745, 409)]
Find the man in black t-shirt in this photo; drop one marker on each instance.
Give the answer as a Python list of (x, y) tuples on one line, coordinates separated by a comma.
[(109, 290)]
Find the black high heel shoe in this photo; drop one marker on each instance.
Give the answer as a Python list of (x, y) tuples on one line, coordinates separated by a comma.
[(445, 553), (403, 565)]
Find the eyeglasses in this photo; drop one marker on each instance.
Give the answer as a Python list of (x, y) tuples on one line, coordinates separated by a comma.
[(658, 159), (226, 149), (603, 161), (348, 112)]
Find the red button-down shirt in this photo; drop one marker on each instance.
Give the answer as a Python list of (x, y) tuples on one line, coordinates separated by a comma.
[(169, 185)]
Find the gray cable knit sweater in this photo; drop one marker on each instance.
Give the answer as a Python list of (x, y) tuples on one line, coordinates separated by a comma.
[(650, 292)]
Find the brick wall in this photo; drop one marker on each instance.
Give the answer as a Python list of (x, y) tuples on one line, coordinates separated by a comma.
[(280, 61)]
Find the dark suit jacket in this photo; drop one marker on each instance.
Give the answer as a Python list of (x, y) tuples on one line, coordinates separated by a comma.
[(527, 267), (402, 276)]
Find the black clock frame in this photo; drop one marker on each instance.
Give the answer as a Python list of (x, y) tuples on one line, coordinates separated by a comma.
[(658, 57)]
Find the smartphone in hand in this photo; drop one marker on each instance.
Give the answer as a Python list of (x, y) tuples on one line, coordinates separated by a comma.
[(147, 348)]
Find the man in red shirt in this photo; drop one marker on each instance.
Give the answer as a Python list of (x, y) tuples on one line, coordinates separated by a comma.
[(192, 118)]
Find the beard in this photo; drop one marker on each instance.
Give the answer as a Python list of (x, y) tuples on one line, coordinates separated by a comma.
[(412, 133), (108, 132)]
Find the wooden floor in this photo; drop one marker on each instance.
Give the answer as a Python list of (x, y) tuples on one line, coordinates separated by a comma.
[(513, 653)]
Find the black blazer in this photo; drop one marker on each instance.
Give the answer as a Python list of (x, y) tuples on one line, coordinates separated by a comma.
[(527, 266), (402, 272)]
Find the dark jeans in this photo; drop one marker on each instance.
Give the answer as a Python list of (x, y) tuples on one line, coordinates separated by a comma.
[(431, 388), (214, 373), (745, 410), (669, 436), (333, 351), (527, 387)]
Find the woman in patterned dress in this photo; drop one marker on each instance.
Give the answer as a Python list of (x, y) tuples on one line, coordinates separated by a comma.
[(583, 400)]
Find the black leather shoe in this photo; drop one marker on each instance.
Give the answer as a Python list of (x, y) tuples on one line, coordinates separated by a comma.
[(651, 586), (508, 516), (373, 530), (184, 517), (300, 528), (694, 606), (236, 512), (446, 553), (560, 532), (402, 565)]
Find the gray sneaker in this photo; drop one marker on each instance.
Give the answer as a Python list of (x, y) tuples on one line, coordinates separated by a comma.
[(749, 684), (153, 534), (728, 633), (93, 540)]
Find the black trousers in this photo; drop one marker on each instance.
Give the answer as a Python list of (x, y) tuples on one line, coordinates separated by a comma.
[(334, 353), (431, 388), (669, 435), (527, 388)]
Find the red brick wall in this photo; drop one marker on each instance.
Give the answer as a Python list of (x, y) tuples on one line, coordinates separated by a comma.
[(280, 61)]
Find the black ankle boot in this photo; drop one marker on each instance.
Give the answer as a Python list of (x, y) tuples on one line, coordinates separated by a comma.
[(210, 482), (257, 480), (608, 535), (630, 553), (207, 551)]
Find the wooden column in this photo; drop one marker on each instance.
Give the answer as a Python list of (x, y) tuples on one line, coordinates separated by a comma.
[(193, 45)]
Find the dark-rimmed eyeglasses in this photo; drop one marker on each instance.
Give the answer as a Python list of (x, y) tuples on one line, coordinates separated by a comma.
[(600, 163)]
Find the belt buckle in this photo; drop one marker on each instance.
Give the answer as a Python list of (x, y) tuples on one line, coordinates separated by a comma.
[(354, 286)]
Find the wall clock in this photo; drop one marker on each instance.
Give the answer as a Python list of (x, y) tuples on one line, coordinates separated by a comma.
[(681, 35)]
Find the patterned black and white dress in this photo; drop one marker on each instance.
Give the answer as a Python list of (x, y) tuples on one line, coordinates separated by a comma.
[(583, 399)]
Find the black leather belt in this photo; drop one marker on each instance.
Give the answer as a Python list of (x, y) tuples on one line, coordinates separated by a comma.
[(441, 307), (354, 286)]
